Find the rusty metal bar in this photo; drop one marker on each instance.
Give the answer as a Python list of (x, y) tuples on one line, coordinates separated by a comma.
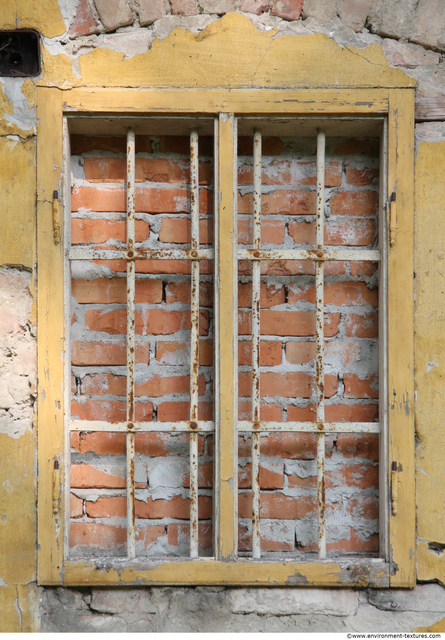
[(256, 287), (362, 255), (194, 350), (319, 340), (243, 425), (310, 254), (131, 550)]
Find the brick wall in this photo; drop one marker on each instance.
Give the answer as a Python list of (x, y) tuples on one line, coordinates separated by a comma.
[(288, 466)]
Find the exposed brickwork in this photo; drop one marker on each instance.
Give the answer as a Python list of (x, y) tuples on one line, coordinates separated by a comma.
[(114, 13), (287, 9), (84, 23), (287, 352)]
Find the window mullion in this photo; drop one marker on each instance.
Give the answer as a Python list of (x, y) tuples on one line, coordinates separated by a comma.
[(226, 271)]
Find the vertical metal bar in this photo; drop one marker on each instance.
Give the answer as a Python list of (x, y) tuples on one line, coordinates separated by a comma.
[(194, 350), (227, 274), (256, 285), (131, 550), (319, 341), (383, 355)]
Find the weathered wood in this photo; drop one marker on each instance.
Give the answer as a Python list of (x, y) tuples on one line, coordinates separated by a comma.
[(339, 573), (227, 276), (430, 109), (400, 336), (50, 336)]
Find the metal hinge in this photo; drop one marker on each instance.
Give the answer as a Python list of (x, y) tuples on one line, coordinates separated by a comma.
[(394, 488), (56, 217), (56, 487), (392, 211)]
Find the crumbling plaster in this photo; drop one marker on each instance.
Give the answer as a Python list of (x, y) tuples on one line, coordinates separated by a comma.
[(412, 40)]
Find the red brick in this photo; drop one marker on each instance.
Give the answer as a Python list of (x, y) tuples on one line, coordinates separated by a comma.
[(115, 507), (148, 321), (178, 353), (296, 446), (84, 23), (181, 292), (363, 268), (351, 232), (96, 535), (337, 293), (176, 507), (358, 445), (102, 443), (103, 536), (268, 411), (270, 353), (180, 534), (351, 412), (114, 169), (75, 440), (272, 231), (304, 352), (356, 387), (106, 353), (267, 543), (156, 386), (114, 13), (348, 203), (255, 6), (178, 231), (184, 7), (85, 231), (277, 505), (164, 444), (114, 291), (268, 479), (271, 146), (361, 177), (109, 410), (301, 414), (112, 144), (270, 295), (181, 145), (150, 10), (364, 507), (286, 385), (76, 506), (286, 9), (362, 326), (148, 199), (303, 483), (286, 172), (288, 323), (353, 147), (174, 411), (205, 476), (84, 476), (363, 476), (282, 202)]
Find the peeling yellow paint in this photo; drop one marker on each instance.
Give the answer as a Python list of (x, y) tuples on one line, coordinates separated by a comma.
[(430, 348), (438, 626), (231, 53), (19, 609), (18, 202), (8, 128), (42, 15), (18, 509)]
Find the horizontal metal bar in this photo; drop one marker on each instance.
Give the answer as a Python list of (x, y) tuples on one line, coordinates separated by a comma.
[(143, 427), (316, 255), (80, 253), (310, 427)]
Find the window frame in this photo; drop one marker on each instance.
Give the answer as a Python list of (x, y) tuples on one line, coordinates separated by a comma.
[(397, 568)]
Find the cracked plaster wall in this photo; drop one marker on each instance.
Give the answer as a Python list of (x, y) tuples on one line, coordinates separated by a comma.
[(411, 37)]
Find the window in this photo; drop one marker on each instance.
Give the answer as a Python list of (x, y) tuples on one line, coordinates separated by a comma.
[(229, 116)]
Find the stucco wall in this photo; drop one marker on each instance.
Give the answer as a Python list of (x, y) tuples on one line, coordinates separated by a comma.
[(82, 41)]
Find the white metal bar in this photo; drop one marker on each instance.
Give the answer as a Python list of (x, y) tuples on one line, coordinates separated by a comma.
[(208, 427), (194, 214), (310, 254), (183, 426), (216, 348), (319, 340), (131, 538), (84, 253), (256, 290)]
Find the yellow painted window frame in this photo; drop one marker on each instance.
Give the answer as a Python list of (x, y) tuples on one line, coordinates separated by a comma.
[(397, 569)]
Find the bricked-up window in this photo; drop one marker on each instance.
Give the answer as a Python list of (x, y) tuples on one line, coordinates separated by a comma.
[(307, 390), (232, 368)]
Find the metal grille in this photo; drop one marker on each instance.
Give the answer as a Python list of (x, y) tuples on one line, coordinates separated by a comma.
[(131, 426), (319, 255)]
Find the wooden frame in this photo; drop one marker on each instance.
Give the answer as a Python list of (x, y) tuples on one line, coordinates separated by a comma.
[(397, 567)]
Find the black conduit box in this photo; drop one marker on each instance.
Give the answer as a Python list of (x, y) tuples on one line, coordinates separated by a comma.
[(19, 53)]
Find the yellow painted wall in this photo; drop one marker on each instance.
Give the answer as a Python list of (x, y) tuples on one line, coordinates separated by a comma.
[(18, 592)]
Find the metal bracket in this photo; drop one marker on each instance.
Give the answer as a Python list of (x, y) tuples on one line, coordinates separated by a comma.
[(56, 486), (392, 207), (56, 217), (394, 488)]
